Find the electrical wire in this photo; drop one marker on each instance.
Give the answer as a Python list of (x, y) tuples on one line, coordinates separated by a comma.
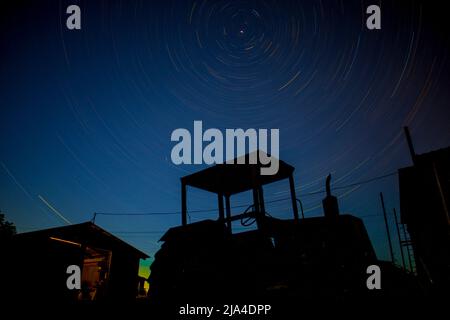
[(244, 205)]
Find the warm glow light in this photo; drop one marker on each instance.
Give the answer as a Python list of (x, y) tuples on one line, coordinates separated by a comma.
[(66, 241)]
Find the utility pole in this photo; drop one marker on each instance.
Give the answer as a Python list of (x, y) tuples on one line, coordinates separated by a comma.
[(410, 145), (387, 227)]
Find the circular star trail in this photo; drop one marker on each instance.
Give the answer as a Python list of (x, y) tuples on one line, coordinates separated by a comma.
[(86, 115)]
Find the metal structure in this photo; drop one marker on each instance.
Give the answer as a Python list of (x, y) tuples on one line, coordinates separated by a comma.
[(424, 210)]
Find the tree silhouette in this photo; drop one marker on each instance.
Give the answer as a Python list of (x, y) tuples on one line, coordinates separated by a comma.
[(7, 229)]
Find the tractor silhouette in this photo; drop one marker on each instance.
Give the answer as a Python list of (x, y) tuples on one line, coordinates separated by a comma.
[(316, 256)]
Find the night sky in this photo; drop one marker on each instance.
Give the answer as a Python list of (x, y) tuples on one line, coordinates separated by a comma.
[(86, 115)]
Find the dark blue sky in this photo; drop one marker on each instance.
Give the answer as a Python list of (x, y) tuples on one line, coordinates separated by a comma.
[(86, 116)]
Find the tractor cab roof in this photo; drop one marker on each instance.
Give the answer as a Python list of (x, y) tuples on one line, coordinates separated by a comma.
[(232, 178)]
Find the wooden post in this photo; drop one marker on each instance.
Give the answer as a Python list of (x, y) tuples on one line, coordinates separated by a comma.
[(221, 209), (410, 145), (293, 197), (183, 205), (262, 206), (257, 209), (228, 213)]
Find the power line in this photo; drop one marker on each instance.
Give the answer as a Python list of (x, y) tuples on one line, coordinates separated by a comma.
[(350, 185), (244, 205), (162, 213), (366, 181)]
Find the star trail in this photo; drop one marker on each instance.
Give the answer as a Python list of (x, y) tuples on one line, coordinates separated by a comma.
[(86, 115)]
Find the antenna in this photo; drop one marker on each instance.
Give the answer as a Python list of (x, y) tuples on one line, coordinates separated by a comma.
[(410, 144)]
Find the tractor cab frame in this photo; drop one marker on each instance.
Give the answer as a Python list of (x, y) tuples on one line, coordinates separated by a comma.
[(229, 179)]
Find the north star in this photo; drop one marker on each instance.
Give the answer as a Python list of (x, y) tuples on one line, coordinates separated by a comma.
[(191, 310)]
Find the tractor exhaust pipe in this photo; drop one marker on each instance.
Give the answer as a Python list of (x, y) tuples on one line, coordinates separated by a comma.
[(330, 203)]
